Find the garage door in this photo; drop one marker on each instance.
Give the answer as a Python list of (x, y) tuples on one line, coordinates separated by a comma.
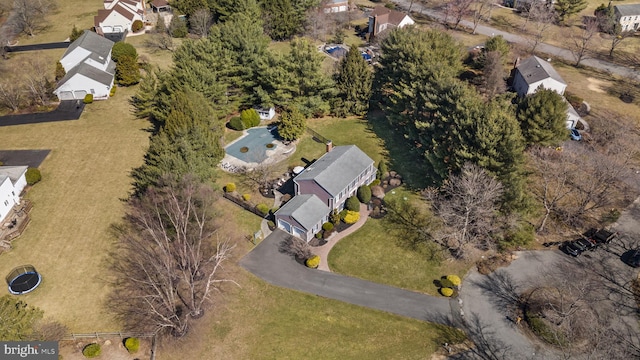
[(284, 226), (79, 94), (65, 95), (298, 232)]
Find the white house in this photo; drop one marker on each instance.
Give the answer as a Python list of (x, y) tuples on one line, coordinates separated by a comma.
[(266, 113), (534, 72), (12, 182), (89, 68), (628, 16), (324, 186), (335, 6), (383, 18), (118, 16)]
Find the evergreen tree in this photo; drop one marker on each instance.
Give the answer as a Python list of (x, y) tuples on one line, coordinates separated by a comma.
[(566, 8), (543, 117), (161, 26), (285, 18), (75, 34), (497, 43), (187, 7), (18, 319), (353, 82), (178, 27), (144, 100), (121, 49), (60, 73), (127, 71), (224, 9), (292, 124), (187, 143)]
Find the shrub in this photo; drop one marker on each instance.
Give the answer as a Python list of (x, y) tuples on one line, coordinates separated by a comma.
[(352, 217), (364, 194), (352, 204), (445, 291), (318, 235), (334, 217), (454, 279), (33, 176), (263, 208), (382, 169), (271, 225), (573, 99), (250, 118), (230, 187), (246, 197), (446, 283), (611, 216), (313, 262), (137, 26), (92, 350), (132, 344), (327, 226), (342, 214), (273, 210), (236, 123), (88, 99), (121, 49), (112, 91), (375, 182), (178, 27)]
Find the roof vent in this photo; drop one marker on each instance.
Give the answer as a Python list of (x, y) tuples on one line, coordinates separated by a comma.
[(538, 65)]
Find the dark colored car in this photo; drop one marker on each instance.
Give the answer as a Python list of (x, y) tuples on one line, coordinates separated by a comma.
[(603, 236), (631, 258), (589, 244), (570, 248)]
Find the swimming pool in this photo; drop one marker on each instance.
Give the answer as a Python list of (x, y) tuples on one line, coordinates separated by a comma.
[(253, 146)]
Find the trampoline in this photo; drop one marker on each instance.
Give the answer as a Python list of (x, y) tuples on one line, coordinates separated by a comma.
[(23, 279)]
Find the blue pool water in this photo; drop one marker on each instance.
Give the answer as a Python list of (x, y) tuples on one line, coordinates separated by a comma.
[(256, 141)]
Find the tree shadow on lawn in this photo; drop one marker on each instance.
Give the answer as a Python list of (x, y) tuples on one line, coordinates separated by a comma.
[(404, 158)]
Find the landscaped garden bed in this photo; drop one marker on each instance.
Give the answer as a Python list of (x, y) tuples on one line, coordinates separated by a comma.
[(111, 347)]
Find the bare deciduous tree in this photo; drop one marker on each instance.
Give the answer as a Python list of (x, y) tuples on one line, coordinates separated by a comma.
[(581, 40), (11, 95), (28, 16), (36, 81), (459, 9), (493, 74), (165, 265), (160, 41), (200, 22), (543, 16), (319, 24), (467, 206), (298, 248), (480, 11)]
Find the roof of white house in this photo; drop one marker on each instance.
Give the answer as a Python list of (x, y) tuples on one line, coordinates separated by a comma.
[(12, 172), (308, 210), (96, 44), (103, 77), (335, 170), (535, 69), (628, 9), (388, 16)]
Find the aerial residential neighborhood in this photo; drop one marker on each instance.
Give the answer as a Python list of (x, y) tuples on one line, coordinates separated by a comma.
[(277, 179)]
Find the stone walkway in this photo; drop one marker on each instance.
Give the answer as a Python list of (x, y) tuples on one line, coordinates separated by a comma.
[(323, 251)]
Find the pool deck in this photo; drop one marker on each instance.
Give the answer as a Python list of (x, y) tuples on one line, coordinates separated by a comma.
[(280, 152)]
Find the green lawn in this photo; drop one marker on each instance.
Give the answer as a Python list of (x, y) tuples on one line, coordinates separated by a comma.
[(84, 179), (377, 254)]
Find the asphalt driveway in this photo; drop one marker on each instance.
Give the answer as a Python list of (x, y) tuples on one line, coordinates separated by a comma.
[(67, 110), (269, 264)]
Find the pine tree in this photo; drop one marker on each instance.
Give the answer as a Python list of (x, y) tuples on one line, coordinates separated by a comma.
[(75, 34), (292, 124), (353, 81), (60, 72), (282, 19), (127, 71), (18, 319), (566, 8), (543, 117)]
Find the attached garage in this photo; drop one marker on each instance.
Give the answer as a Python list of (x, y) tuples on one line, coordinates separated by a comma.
[(79, 94), (302, 216), (65, 95)]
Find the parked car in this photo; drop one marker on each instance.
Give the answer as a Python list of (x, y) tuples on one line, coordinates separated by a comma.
[(589, 244), (575, 134), (631, 258), (580, 245), (570, 248), (602, 236)]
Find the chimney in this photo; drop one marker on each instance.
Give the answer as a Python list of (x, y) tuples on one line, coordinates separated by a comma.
[(329, 145), (516, 63)]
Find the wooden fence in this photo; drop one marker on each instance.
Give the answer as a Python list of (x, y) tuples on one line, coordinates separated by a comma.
[(317, 136), (243, 204)]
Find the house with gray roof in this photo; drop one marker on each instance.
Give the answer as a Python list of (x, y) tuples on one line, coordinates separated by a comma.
[(328, 181), (89, 68), (12, 182), (534, 72), (628, 16)]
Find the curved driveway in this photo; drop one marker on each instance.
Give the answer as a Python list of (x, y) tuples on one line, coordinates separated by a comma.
[(269, 264)]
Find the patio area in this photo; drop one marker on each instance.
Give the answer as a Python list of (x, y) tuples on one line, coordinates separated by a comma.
[(14, 224)]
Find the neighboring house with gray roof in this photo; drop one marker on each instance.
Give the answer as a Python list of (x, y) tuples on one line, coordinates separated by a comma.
[(89, 68), (12, 182), (303, 216), (331, 179), (628, 16), (535, 72)]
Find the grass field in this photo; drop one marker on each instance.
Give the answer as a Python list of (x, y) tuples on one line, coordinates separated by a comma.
[(83, 181), (377, 254)]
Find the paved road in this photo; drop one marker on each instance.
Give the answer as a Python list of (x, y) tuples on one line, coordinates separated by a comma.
[(268, 263), (67, 110), (47, 46), (554, 51)]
